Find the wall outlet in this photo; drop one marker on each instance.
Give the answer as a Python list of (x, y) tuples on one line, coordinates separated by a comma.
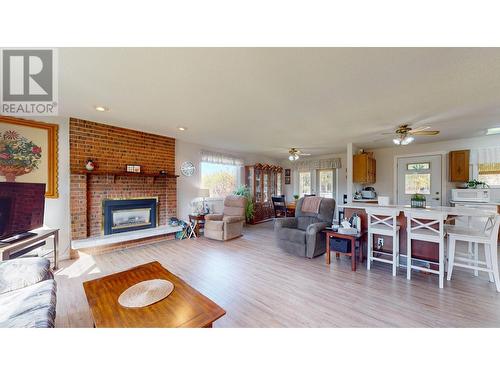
[(380, 242)]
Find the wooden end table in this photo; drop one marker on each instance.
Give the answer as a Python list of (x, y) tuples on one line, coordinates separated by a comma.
[(353, 238), (184, 307)]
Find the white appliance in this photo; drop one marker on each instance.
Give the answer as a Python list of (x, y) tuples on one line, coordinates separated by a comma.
[(470, 195)]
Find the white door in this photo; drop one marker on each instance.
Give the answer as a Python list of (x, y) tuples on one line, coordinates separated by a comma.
[(420, 175)]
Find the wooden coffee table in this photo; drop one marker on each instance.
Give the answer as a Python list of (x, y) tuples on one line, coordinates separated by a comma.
[(184, 307)]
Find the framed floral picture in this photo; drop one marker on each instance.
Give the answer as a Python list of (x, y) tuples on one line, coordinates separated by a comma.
[(28, 153)]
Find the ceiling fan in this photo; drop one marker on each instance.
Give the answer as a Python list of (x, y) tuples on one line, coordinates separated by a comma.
[(403, 135), (295, 153)]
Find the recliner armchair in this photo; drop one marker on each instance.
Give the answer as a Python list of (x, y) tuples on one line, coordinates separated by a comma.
[(229, 224), (301, 235)]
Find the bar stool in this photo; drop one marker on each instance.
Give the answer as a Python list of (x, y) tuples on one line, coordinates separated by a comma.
[(488, 237), (421, 225), (383, 221)]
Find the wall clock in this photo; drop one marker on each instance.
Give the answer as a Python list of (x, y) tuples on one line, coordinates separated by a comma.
[(187, 168)]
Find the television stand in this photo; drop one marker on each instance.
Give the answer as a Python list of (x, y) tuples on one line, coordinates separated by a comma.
[(17, 237), (39, 235)]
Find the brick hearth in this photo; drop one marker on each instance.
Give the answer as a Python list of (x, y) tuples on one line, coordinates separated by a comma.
[(112, 148)]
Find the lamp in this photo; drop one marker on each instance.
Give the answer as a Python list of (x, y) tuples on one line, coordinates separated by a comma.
[(203, 193)]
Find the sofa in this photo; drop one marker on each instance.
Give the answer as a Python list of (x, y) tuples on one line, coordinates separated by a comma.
[(301, 235), (229, 224), (27, 293)]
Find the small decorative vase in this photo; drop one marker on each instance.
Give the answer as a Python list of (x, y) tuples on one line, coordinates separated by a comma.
[(418, 203), (89, 165)]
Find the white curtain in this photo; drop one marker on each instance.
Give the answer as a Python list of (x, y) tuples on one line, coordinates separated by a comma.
[(308, 165), (218, 158)]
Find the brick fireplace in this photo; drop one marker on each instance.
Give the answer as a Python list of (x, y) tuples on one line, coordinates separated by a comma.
[(112, 148)]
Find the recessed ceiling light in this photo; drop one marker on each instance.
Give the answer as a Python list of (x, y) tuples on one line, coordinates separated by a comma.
[(101, 108), (492, 131), (182, 128)]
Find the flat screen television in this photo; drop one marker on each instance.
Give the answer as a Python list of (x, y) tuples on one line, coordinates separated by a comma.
[(21, 208)]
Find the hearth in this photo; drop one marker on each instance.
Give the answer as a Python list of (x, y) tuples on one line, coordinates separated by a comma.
[(124, 215)]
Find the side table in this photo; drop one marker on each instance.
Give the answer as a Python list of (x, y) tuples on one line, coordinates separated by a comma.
[(353, 238)]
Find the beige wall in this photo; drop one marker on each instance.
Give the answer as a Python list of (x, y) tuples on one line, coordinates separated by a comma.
[(385, 160), (187, 187)]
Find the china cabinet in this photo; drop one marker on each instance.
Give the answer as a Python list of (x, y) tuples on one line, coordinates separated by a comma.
[(264, 181)]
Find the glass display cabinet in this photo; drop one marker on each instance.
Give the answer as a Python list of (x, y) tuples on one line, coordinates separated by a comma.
[(264, 181)]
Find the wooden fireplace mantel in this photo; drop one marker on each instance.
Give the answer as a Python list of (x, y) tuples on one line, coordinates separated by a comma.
[(123, 173)]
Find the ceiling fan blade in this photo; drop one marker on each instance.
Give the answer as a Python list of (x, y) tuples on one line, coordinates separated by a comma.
[(302, 154), (425, 132)]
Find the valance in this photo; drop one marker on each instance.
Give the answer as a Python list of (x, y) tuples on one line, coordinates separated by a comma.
[(307, 165), (218, 158)]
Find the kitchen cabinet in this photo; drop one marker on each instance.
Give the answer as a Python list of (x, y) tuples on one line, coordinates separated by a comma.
[(364, 169), (459, 165)]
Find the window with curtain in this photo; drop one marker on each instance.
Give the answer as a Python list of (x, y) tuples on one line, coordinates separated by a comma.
[(489, 173), (220, 173), (304, 183), (488, 165)]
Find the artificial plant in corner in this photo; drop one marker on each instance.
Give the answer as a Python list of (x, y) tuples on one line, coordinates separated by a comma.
[(244, 191)]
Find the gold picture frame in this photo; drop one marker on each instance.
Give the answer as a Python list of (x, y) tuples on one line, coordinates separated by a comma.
[(46, 161)]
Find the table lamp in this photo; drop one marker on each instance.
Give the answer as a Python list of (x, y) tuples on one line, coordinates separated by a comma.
[(203, 193)]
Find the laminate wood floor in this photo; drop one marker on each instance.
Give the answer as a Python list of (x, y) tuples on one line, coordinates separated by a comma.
[(259, 285)]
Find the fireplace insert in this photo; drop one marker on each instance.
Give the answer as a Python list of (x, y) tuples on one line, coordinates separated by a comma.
[(124, 215)]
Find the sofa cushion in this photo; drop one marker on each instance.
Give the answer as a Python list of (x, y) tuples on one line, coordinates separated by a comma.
[(304, 221), (22, 272), (292, 235), (30, 307)]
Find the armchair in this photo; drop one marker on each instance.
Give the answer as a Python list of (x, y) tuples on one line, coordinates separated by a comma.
[(301, 235), (229, 224)]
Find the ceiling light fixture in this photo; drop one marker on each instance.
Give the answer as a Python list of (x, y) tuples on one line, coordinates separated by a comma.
[(492, 131), (403, 140), (181, 128), (100, 108)]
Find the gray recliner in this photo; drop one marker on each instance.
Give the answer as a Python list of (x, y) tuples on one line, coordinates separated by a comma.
[(301, 235)]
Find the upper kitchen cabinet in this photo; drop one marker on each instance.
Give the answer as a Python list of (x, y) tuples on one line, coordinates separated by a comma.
[(459, 166), (364, 169)]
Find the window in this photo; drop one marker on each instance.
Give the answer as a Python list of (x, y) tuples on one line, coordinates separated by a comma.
[(418, 183), (489, 173), (304, 183), (416, 167), (326, 184), (220, 179)]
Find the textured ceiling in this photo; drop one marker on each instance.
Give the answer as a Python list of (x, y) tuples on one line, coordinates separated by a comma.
[(265, 100)]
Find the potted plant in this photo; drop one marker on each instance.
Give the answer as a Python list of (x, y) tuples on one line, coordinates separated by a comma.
[(296, 197), (244, 191), (418, 201), (475, 184)]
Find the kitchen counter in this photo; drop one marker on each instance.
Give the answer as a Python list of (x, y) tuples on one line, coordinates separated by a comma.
[(477, 203), (366, 200), (421, 249), (453, 211)]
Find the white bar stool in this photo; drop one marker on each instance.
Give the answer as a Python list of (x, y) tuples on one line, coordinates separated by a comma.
[(421, 225), (383, 221), (488, 237)]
